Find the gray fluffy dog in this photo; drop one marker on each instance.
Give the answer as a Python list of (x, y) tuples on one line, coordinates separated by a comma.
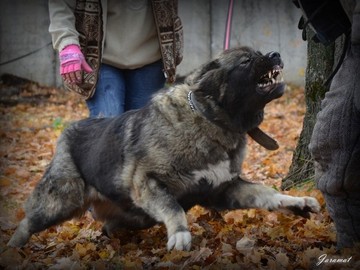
[(153, 164)]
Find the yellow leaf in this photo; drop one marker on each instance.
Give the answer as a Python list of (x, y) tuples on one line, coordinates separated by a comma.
[(107, 253), (80, 249), (91, 246), (251, 213), (104, 254)]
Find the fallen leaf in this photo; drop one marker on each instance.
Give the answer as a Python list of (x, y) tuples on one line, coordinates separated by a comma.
[(245, 245), (282, 259), (5, 182), (65, 264), (10, 258)]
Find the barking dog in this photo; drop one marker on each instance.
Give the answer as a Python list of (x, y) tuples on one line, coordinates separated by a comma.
[(184, 148)]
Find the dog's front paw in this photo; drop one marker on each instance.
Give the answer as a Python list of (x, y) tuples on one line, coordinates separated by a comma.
[(180, 241), (312, 204), (301, 206)]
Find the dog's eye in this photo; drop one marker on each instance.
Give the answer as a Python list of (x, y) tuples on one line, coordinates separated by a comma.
[(245, 61)]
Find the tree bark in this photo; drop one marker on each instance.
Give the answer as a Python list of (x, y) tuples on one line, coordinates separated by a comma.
[(319, 66)]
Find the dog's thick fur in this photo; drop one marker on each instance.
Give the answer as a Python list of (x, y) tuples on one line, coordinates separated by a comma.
[(151, 165)]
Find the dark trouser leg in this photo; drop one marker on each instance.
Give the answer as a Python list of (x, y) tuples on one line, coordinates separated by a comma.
[(346, 215)]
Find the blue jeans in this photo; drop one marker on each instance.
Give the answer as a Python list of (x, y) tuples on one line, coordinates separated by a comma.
[(120, 90)]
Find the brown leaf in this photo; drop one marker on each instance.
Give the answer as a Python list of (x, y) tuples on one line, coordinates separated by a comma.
[(245, 245), (5, 182), (176, 256), (198, 256), (10, 258)]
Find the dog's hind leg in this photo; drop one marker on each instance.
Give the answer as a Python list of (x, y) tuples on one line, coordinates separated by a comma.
[(240, 194), (53, 201), (58, 196)]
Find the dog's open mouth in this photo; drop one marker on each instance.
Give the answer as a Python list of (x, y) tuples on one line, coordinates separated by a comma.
[(271, 79)]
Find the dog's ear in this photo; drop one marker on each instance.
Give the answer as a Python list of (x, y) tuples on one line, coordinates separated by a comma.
[(198, 74), (214, 83)]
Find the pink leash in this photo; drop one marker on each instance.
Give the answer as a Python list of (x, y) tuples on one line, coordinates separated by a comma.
[(228, 25)]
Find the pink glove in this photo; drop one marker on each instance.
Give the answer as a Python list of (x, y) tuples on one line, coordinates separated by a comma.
[(72, 62)]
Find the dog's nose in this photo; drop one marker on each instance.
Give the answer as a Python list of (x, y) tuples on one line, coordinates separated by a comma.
[(274, 55)]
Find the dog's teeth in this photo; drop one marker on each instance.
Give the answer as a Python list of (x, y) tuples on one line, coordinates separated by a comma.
[(273, 76)]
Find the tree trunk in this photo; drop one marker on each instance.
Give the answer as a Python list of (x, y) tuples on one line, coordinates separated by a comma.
[(319, 67)]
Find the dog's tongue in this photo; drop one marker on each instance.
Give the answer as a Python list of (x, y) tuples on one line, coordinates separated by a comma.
[(263, 139)]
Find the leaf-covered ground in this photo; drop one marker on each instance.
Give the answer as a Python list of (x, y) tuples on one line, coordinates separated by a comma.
[(31, 119)]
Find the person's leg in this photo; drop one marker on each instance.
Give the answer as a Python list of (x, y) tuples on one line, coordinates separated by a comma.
[(109, 97), (344, 211), (335, 147), (142, 83)]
